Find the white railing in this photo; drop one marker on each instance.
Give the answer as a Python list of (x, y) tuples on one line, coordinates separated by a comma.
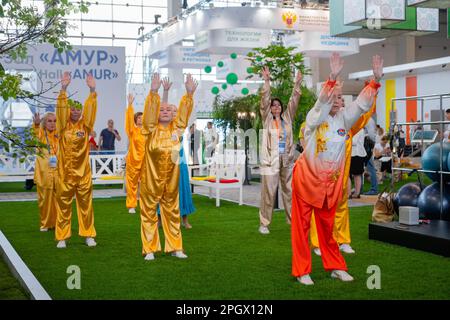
[(106, 168)]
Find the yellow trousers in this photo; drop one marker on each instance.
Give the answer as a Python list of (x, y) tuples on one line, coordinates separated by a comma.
[(132, 177), (341, 229), (65, 192), (170, 218), (47, 207)]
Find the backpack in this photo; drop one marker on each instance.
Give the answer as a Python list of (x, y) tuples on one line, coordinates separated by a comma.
[(383, 210)]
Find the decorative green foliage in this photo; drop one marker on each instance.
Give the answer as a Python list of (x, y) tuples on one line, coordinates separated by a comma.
[(23, 25), (232, 78), (215, 90), (220, 64), (233, 56), (208, 69), (245, 91), (224, 86), (283, 65)]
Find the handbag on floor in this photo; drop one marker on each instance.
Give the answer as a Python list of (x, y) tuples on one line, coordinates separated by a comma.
[(383, 210)]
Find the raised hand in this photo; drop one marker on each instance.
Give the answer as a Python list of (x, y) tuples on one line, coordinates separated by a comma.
[(166, 84), (130, 99), (326, 95), (336, 65), (90, 81), (191, 84), (37, 119), (265, 73), (299, 77), (65, 80), (156, 82), (377, 67)]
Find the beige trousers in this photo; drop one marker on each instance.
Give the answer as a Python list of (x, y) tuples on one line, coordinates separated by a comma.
[(270, 180)]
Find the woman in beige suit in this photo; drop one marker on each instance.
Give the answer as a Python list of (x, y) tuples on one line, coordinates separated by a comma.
[(277, 152)]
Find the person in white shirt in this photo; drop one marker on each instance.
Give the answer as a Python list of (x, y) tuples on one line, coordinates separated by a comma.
[(382, 152), (357, 164), (211, 139), (380, 134), (447, 132)]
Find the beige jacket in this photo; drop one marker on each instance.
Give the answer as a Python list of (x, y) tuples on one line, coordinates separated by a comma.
[(269, 155)]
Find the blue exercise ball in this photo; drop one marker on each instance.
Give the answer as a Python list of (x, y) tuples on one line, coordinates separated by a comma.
[(407, 195), (430, 161), (429, 202)]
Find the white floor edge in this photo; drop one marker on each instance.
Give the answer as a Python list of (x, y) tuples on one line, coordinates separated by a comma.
[(21, 272)]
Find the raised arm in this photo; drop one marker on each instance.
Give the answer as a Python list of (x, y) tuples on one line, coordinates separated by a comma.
[(265, 94), (90, 105), (323, 105), (186, 104), (152, 106), (318, 114), (166, 86), (295, 96), (129, 116), (367, 96), (36, 125), (62, 106)]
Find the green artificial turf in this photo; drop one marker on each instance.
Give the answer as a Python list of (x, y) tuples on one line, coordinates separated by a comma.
[(20, 187), (10, 288), (228, 259)]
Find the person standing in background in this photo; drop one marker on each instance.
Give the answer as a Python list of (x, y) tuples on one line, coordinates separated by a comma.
[(108, 137), (135, 156), (45, 172), (211, 139), (447, 132), (92, 144)]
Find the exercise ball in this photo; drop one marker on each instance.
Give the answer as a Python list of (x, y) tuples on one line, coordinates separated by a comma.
[(429, 202), (430, 160), (407, 195)]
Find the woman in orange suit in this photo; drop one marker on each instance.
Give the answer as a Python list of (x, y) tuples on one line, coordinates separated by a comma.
[(318, 178), (45, 171), (136, 149)]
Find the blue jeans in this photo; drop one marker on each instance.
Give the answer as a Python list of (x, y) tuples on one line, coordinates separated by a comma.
[(373, 175)]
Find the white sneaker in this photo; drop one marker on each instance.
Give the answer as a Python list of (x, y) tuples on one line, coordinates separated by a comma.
[(132, 210), (341, 275), (345, 247), (306, 280), (317, 252), (90, 242), (264, 230), (179, 254), (43, 229), (149, 256), (61, 244)]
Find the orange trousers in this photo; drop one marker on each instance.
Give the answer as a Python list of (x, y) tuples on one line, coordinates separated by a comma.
[(301, 223)]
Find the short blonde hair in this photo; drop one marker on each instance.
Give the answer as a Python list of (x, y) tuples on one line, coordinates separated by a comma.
[(45, 117)]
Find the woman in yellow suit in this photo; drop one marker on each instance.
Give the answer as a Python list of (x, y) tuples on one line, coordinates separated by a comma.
[(45, 172), (341, 229), (160, 173), (135, 156), (74, 170)]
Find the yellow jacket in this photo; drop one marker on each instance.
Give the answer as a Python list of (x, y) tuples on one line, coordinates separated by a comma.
[(73, 151), (136, 148), (43, 173)]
